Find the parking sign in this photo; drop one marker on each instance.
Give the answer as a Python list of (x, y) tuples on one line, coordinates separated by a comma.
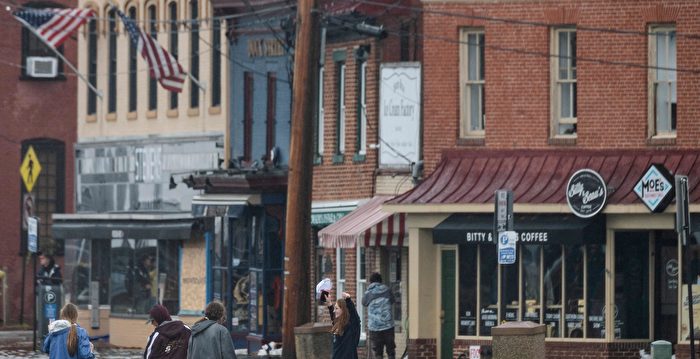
[(506, 247)]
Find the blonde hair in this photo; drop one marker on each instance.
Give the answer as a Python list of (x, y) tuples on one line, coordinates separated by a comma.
[(69, 312), (342, 320)]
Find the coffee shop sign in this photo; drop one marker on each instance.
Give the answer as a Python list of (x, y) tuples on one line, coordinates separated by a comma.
[(586, 193), (522, 237)]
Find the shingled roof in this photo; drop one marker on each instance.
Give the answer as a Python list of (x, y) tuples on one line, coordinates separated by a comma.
[(541, 176)]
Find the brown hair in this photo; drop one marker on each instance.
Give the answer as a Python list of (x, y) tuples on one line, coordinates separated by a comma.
[(69, 312), (342, 320), (215, 311)]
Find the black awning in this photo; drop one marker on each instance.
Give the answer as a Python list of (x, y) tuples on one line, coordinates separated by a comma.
[(462, 228), (107, 229)]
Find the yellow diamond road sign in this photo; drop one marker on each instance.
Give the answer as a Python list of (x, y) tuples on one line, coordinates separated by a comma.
[(30, 169)]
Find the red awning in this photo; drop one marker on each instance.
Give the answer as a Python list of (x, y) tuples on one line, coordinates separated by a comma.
[(540, 176), (367, 225)]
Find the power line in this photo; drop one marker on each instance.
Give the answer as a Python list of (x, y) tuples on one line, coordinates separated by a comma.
[(517, 21)]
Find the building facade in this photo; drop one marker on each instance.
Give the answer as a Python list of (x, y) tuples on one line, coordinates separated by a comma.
[(50, 131), (529, 97), (130, 242)]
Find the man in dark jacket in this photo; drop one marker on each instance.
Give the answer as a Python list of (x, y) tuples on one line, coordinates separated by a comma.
[(380, 323), (170, 337), (49, 273), (209, 338)]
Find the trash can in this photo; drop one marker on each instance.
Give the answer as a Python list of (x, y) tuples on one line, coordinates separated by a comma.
[(314, 341), (661, 349), (49, 298)]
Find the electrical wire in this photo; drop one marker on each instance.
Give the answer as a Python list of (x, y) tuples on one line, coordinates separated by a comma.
[(517, 21)]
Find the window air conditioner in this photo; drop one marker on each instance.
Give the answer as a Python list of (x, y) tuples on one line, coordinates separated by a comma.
[(44, 67)]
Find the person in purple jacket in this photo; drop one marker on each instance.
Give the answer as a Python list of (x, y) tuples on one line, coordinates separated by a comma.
[(66, 339)]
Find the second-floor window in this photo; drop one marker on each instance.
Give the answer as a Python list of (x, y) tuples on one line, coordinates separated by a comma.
[(662, 99), (112, 69), (321, 112), (194, 53), (473, 102), (216, 63), (362, 110), (564, 93), (340, 125), (133, 70), (153, 83), (172, 10), (248, 115), (271, 121), (92, 66)]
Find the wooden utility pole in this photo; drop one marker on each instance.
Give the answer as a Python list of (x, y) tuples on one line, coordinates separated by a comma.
[(297, 292)]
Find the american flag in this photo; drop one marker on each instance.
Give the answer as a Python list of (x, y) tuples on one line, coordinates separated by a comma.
[(53, 25), (162, 65)]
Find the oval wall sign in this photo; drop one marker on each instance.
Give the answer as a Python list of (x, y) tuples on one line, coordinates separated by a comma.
[(586, 193)]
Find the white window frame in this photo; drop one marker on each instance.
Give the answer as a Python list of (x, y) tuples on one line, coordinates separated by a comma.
[(466, 84), (341, 108), (321, 111), (340, 281), (363, 109), (556, 93), (361, 287), (672, 82)]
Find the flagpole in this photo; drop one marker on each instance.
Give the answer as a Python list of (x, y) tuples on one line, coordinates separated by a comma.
[(196, 82), (81, 76)]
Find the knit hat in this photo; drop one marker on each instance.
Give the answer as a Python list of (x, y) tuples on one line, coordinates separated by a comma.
[(160, 314)]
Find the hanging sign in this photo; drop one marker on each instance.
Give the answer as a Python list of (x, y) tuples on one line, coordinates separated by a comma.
[(586, 193), (655, 188)]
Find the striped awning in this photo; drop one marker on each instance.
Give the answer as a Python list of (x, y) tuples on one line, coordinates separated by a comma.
[(368, 225)]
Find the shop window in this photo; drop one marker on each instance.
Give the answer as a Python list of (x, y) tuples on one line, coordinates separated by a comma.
[(662, 99), (86, 261), (143, 272), (531, 257), (632, 285), (564, 85), (394, 281), (546, 285), (473, 103), (361, 285)]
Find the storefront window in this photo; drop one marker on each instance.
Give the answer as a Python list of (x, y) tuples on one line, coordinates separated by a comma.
[(86, 261), (143, 272), (395, 281), (467, 290), (553, 289), (488, 269), (550, 279), (340, 255), (531, 259), (574, 305), (596, 290), (631, 285)]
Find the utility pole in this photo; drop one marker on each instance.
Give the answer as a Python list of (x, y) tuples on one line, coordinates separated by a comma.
[(297, 292)]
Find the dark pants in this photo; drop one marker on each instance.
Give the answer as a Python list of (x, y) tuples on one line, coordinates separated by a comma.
[(381, 339)]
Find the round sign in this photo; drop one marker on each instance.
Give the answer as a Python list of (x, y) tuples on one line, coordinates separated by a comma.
[(49, 297), (672, 267), (586, 193)]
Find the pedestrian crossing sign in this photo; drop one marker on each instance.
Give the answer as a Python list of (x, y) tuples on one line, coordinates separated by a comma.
[(30, 169)]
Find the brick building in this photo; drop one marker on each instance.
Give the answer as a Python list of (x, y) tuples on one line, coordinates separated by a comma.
[(49, 129), (537, 98)]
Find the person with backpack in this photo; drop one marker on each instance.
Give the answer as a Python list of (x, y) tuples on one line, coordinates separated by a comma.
[(169, 338), (66, 339), (210, 339), (379, 300)]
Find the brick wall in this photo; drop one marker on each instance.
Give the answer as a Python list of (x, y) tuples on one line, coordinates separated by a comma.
[(31, 109), (421, 348), (612, 99)]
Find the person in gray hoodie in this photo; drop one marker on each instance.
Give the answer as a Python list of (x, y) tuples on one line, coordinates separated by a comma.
[(379, 299), (209, 338)]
